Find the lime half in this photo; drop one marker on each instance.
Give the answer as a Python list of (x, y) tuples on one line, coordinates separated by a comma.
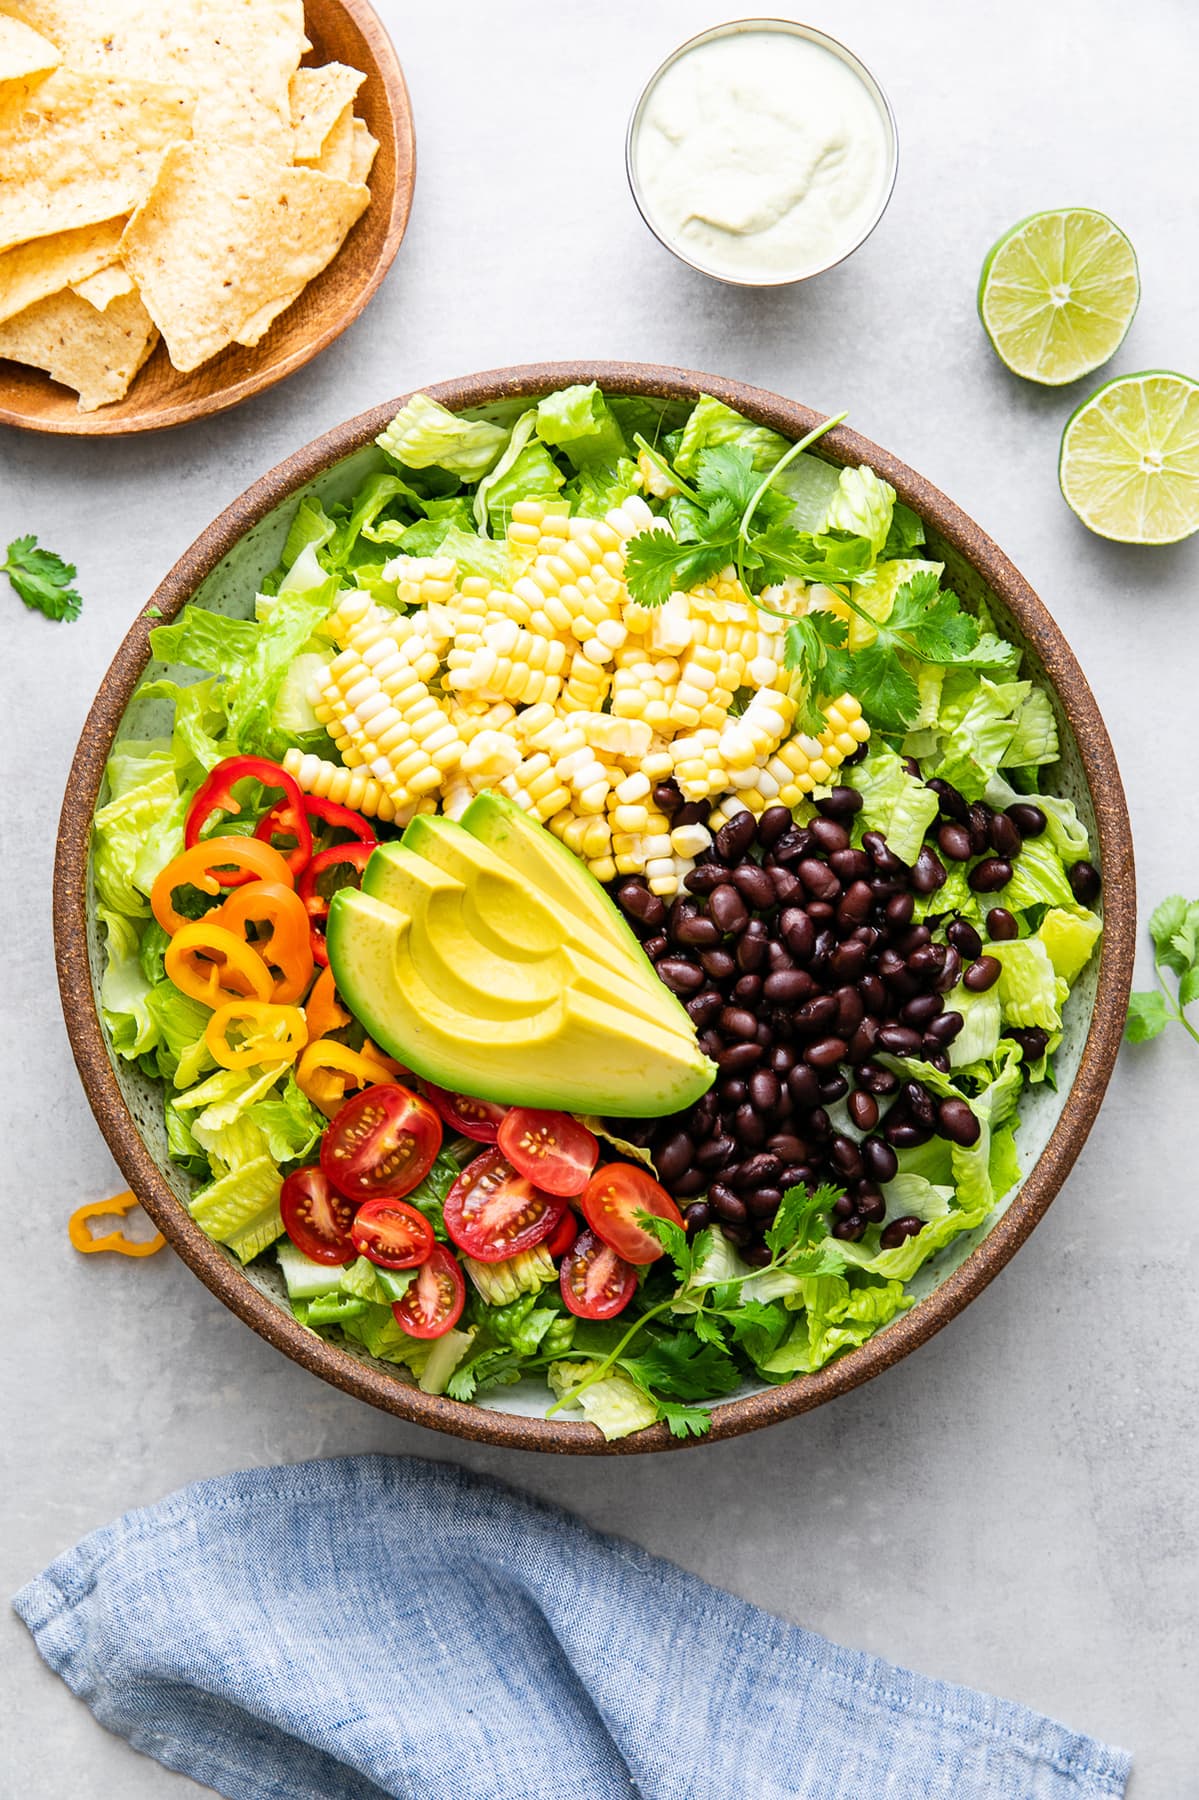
[(1057, 294), (1129, 463)]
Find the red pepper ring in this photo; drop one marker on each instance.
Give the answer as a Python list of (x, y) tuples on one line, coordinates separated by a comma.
[(354, 855), (329, 812), (215, 795)]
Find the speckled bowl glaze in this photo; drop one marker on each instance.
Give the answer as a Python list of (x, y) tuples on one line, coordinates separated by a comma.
[(222, 571)]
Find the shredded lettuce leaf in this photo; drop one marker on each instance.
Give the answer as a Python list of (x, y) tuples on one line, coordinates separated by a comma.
[(862, 505), (424, 434), (711, 422), (579, 422), (894, 802)]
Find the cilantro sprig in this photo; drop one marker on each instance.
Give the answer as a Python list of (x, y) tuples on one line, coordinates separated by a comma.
[(1174, 928), (42, 579), (680, 1367)]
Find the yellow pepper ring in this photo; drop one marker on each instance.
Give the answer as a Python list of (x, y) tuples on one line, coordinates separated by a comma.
[(83, 1240), (210, 964), (328, 1068), (270, 1034)]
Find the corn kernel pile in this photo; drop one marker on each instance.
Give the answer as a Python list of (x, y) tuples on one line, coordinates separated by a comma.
[(566, 695)]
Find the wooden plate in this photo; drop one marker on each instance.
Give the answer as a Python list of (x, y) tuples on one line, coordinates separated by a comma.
[(346, 31), (129, 1111)]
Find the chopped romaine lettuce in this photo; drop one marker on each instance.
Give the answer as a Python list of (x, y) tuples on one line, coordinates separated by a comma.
[(862, 505), (424, 434), (711, 422), (579, 422), (616, 1404), (894, 802)]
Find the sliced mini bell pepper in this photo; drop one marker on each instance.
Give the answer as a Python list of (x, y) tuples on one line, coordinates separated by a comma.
[(265, 1034), (328, 1070), (280, 934), (210, 963), (322, 1011), (327, 812), (215, 795), (216, 864), (316, 895), (88, 1244)]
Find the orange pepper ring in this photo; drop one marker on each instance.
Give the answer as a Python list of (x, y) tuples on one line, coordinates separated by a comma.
[(288, 949), (196, 868), (88, 1245)]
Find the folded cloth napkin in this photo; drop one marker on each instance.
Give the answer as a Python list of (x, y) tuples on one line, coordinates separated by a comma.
[(376, 1626)]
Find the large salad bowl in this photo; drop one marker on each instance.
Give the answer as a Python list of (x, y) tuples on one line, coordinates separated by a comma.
[(222, 571)]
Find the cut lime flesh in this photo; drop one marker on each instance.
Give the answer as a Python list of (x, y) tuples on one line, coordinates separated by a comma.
[(1057, 294), (1129, 464)]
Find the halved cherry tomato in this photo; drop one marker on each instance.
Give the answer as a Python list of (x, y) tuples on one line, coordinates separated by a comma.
[(563, 1235), (551, 1148), (492, 1213), (478, 1119), (381, 1144), (217, 863), (613, 1198), (355, 857), (595, 1282), (330, 812), (284, 948), (317, 1217), (323, 1011), (215, 795), (392, 1234), (433, 1304)]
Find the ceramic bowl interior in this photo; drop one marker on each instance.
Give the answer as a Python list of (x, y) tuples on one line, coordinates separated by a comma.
[(223, 573)]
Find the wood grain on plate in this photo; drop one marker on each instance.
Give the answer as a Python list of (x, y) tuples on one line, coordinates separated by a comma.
[(345, 31), (371, 1381)]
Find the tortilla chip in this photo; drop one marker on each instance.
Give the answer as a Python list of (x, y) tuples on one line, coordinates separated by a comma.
[(24, 51), (239, 55), (96, 353), (364, 148), (255, 328), (49, 264), (101, 289), (318, 99), (209, 254), (337, 152), (76, 149)]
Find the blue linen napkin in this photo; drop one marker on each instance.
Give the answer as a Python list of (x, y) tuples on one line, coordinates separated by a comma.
[(375, 1626)]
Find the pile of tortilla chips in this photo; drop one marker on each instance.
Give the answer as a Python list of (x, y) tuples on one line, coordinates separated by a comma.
[(166, 167)]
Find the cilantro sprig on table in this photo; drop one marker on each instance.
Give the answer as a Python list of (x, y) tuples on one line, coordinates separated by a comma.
[(731, 516), (693, 1362), (42, 579), (1174, 928)]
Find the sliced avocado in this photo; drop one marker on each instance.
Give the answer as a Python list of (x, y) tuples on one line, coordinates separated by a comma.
[(512, 909), (578, 1053), (549, 867)]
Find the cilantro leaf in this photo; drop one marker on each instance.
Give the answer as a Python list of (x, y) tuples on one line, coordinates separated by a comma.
[(1148, 1015), (1174, 928), (932, 619), (42, 579), (887, 692), (1166, 920), (726, 472), (673, 1239), (682, 1366), (656, 564), (906, 533), (795, 1222), (830, 556), (684, 1421)]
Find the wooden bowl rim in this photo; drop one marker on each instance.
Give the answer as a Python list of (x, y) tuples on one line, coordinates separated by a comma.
[(386, 1391), (104, 423)]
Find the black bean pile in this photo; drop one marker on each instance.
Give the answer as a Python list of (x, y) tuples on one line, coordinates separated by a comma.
[(797, 957)]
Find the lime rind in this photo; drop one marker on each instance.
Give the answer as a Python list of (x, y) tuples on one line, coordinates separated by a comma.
[(1057, 293), (1129, 463)]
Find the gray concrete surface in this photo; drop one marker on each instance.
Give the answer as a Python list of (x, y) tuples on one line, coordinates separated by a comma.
[(1014, 1507)]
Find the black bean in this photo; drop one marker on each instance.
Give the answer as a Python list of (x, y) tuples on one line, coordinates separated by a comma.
[(680, 975), (787, 886), (782, 1058), (749, 1127), (673, 1158), (863, 1110), (934, 1055), (928, 872), (899, 910), (846, 1158), (927, 960), (728, 908), (1001, 925), (851, 1229), (951, 803), (879, 1159), (656, 946), (796, 1175), (718, 965), (791, 846), (850, 1011), (704, 877), (764, 1202), (843, 1207), (944, 1028), (803, 1086), (1032, 1040), (851, 865), (695, 931), (855, 904), (710, 1042), (840, 803), (714, 1152), (693, 1182), (920, 1011), (1028, 819), (772, 824), (703, 1116), (1003, 836), (739, 1058), (787, 1147), (754, 885), (920, 1103), (864, 1041), (962, 935), (883, 858), (734, 838), (738, 1022), (899, 1231), (875, 1079), (697, 1217), (764, 1090), (869, 1202), (753, 945), (634, 898), (826, 1052), (956, 1121), (667, 797), (982, 974), (913, 939), (758, 1171), (788, 986), (818, 879), (734, 1090), (980, 827), (817, 1014), (905, 1134), (991, 874), (726, 1205), (874, 994), (833, 1087), (830, 834), (950, 971), (1084, 882), (953, 840), (694, 812), (899, 1040), (818, 1124), (848, 961), (747, 991)]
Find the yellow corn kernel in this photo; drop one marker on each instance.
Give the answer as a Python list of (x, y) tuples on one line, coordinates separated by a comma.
[(603, 868), (348, 787)]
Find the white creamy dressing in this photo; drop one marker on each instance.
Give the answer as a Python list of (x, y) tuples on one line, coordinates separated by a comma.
[(761, 155)]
